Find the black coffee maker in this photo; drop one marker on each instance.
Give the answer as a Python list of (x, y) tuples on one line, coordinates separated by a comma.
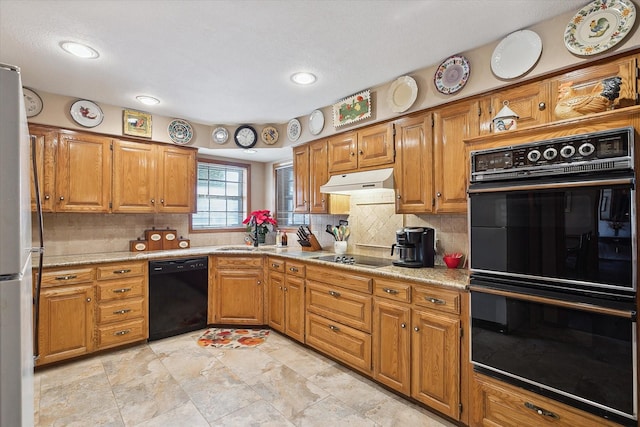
[(415, 247)]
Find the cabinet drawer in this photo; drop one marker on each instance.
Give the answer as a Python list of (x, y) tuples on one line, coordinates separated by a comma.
[(117, 311), (275, 264), (118, 271), (437, 299), (337, 276), (295, 268), (122, 333), (501, 404), (346, 344), (67, 276), (392, 289), (340, 305), (239, 261), (121, 289)]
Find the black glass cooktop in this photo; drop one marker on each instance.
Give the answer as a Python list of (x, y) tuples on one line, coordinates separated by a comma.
[(356, 260)]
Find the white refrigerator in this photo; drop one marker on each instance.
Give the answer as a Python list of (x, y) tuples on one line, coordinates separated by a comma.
[(16, 299)]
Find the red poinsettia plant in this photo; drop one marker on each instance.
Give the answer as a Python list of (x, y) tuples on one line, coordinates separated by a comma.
[(263, 220)]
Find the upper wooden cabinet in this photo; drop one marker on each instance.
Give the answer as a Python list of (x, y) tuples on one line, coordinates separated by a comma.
[(452, 125), (530, 101), (46, 141), (83, 173), (301, 195), (413, 173), (363, 149)]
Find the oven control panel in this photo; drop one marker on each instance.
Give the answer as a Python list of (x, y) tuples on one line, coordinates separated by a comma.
[(608, 150)]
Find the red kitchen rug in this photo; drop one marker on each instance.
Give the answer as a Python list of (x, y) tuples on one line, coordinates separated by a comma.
[(232, 338)]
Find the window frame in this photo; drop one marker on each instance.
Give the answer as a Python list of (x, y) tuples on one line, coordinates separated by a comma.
[(245, 166), (276, 166)]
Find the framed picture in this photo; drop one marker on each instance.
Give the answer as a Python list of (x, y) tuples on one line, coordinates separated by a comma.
[(136, 123), (352, 109)]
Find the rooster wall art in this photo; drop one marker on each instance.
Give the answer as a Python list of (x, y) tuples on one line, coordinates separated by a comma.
[(571, 105)]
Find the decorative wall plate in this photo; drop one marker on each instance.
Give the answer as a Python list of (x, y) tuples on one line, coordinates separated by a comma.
[(402, 94), (293, 130), (269, 135), (220, 135), (180, 131), (32, 102), (599, 26), (316, 122), (516, 54), (452, 74), (86, 113)]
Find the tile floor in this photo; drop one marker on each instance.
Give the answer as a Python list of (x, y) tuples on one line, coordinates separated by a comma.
[(174, 382)]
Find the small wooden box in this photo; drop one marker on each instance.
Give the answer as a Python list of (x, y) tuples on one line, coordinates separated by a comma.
[(154, 239), (138, 245), (169, 239), (184, 243)]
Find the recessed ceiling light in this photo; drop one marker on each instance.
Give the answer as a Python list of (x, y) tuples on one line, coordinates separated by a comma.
[(250, 151), (80, 50), (148, 100), (303, 78)]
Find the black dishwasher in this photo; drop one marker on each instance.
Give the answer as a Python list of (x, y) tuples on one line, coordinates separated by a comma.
[(178, 295)]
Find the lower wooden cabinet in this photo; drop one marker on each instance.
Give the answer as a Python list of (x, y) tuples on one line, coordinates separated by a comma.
[(236, 297), (392, 345), (286, 290), (495, 403)]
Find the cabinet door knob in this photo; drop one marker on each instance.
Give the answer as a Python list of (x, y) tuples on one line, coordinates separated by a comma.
[(403, 325), (352, 154), (162, 201), (542, 106), (416, 329), (399, 196), (88, 299), (47, 197), (61, 198), (153, 201), (285, 289), (438, 194), (259, 282), (361, 152)]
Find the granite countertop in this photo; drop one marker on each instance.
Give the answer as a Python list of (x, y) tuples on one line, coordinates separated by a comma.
[(455, 278)]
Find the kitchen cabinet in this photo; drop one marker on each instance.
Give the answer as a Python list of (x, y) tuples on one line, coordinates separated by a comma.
[(530, 101), (152, 178), (46, 145), (83, 174), (495, 403), (339, 315), (237, 295), (310, 168), (286, 297), (66, 314), (367, 148), (392, 345), (452, 125), (413, 174), (121, 297)]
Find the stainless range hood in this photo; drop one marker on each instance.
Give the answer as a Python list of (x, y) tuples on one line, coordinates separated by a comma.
[(349, 183)]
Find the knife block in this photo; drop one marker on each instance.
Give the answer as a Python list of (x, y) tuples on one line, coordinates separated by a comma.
[(315, 246)]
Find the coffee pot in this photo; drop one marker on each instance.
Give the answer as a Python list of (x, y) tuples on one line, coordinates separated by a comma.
[(415, 247)]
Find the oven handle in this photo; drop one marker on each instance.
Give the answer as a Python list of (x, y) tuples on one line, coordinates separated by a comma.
[(550, 301), (552, 185)]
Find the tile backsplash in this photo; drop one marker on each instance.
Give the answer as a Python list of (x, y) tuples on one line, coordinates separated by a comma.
[(372, 220)]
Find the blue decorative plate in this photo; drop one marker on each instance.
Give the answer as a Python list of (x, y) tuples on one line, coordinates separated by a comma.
[(180, 132)]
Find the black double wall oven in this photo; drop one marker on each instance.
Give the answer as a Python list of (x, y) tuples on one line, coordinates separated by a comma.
[(553, 269)]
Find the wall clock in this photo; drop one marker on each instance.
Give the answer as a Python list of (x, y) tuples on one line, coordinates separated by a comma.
[(32, 102), (245, 136)]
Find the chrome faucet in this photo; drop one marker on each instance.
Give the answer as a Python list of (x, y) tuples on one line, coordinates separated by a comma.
[(254, 222)]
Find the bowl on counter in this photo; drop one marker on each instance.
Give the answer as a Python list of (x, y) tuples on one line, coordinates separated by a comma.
[(452, 260)]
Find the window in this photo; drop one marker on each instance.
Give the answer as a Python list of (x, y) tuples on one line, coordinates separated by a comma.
[(222, 196), (285, 215)]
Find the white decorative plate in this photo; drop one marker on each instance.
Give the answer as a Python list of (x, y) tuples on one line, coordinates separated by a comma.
[(180, 131), (86, 113), (402, 94), (599, 26), (316, 122), (220, 135), (293, 130), (516, 54), (452, 74), (269, 135)]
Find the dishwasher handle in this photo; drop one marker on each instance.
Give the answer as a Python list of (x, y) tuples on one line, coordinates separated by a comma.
[(177, 265)]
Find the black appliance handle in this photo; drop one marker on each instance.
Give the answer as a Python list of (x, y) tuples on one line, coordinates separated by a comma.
[(177, 265), (625, 314), (510, 186), (392, 247)]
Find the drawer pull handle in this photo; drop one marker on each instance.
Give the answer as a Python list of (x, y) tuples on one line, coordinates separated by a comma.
[(125, 311), (293, 269), (121, 291), (274, 265), (334, 294), (541, 411), (122, 271), (334, 328), (68, 277), (436, 300), (120, 333), (390, 291)]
